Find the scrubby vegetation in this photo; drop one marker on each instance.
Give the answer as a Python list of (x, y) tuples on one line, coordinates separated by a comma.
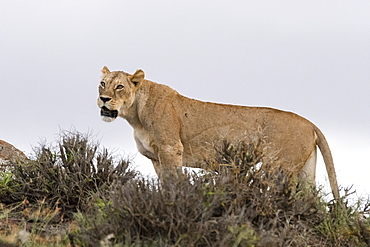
[(75, 193)]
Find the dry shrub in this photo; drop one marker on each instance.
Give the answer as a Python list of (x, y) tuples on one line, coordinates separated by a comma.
[(224, 208), (177, 212), (247, 205), (67, 174)]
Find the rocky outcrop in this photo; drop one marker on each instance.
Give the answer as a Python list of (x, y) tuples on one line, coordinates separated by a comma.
[(8, 153)]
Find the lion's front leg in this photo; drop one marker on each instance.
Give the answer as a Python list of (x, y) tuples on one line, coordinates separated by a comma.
[(169, 160)]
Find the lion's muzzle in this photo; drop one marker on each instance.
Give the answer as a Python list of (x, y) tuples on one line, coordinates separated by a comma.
[(106, 113)]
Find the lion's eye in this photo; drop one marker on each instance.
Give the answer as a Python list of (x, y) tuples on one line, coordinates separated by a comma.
[(102, 84), (119, 87)]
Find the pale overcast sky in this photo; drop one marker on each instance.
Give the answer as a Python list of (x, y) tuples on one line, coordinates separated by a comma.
[(309, 57)]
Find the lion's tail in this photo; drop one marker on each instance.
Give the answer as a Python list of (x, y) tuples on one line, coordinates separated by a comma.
[(328, 159)]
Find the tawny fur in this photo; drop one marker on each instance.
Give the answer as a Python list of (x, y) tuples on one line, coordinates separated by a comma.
[(174, 131)]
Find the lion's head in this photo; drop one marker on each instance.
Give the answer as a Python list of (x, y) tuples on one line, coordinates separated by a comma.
[(117, 92)]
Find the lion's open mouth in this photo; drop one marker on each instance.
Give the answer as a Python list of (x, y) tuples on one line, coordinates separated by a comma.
[(105, 112)]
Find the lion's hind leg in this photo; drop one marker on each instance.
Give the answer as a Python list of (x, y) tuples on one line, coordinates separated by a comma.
[(308, 172)]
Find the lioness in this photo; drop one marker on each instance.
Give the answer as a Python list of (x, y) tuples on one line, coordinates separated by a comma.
[(174, 131)]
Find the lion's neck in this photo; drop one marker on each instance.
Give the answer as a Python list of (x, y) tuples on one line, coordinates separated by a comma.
[(147, 99), (133, 115)]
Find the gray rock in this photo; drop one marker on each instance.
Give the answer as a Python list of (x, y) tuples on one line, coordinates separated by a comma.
[(9, 153)]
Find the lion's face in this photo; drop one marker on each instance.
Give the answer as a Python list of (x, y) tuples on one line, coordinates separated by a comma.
[(117, 93)]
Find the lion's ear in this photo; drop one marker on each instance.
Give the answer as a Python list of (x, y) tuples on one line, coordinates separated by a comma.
[(138, 77), (105, 70)]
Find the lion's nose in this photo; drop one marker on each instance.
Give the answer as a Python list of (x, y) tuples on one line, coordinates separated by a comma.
[(105, 99)]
